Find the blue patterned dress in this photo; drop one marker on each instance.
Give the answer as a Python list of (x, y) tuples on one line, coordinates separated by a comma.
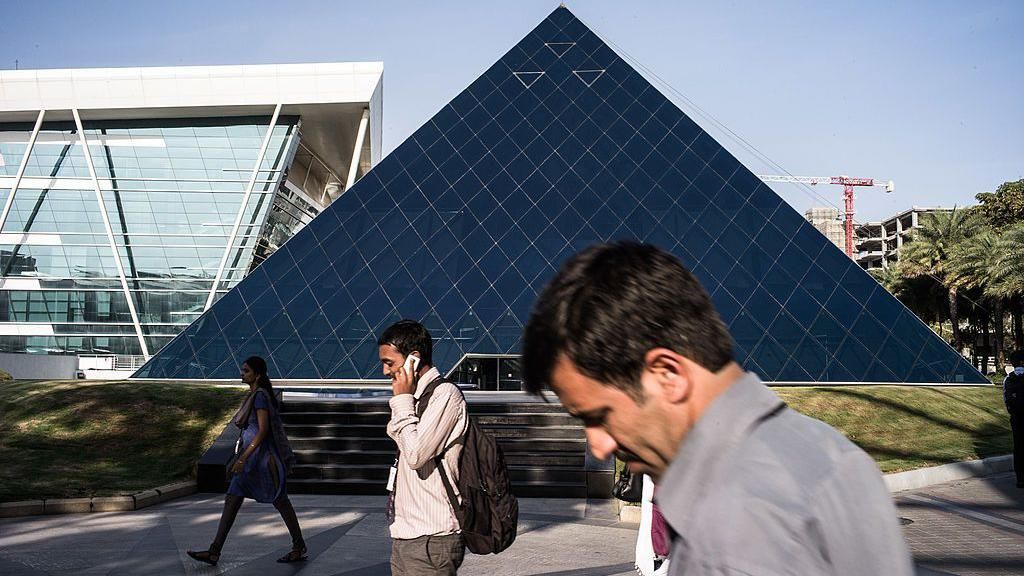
[(263, 477)]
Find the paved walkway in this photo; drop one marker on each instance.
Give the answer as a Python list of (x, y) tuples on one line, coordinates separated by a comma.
[(965, 528), (346, 535), (968, 527)]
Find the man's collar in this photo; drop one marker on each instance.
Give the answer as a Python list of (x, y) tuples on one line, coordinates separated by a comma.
[(425, 378), (726, 421)]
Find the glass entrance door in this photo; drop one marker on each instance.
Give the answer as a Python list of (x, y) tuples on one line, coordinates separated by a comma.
[(490, 373)]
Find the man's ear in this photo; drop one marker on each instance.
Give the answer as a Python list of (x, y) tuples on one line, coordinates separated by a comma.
[(670, 374)]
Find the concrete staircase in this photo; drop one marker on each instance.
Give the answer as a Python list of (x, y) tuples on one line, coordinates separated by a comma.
[(342, 448)]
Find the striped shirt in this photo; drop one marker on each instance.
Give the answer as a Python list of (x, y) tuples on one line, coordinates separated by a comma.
[(422, 507)]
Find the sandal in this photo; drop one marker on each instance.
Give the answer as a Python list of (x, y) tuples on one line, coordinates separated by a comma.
[(208, 556), (296, 554)]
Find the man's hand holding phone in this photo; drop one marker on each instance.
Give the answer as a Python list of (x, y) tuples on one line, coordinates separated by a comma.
[(403, 381)]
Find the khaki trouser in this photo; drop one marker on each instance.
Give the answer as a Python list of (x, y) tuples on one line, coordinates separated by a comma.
[(427, 556)]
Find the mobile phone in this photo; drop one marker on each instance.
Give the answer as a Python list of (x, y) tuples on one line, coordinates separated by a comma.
[(412, 362)]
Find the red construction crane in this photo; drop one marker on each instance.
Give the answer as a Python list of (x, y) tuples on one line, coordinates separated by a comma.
[(847, 182)]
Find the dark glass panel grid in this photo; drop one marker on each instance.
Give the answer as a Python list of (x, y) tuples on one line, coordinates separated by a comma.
[(547, 152)]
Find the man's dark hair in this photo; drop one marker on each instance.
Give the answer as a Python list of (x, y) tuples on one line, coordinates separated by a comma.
[(612, 303), (409, 335), (1017, 358)]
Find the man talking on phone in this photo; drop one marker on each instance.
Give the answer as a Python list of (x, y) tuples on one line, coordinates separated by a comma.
[(426, 538)]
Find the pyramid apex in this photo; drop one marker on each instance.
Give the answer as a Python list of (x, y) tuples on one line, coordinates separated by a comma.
[(557, 146)]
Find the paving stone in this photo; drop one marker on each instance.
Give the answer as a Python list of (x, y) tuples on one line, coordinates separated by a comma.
[(155, 553), (13, 568), (630, 514), (965, 528)]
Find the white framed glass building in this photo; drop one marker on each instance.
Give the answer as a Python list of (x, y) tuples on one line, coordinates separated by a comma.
[(133, 198)]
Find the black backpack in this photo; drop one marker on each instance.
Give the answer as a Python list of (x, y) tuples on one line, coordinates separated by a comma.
[(489, 513), (1013, 393)]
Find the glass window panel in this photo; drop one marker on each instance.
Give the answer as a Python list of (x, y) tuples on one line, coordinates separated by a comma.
[(827, 331), (771, 358), (810, 240), (399, 286), (326, 356), (473, 284), (301, 307), (786, 331), (765, 201), (12, 149), (530, 263), (934, 356), (794, 371), (910, 330), (451, 306), (762, 306), (788, 221), (868, 330), (718, 262), (756, 261), (745, 331), (415, 305), (880, 373)]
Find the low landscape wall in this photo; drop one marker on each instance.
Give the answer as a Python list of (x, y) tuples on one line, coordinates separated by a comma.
[(39, 366)]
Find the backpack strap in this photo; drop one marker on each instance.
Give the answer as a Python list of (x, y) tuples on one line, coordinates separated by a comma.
[(421, 407), (452, 498), (428, 391)]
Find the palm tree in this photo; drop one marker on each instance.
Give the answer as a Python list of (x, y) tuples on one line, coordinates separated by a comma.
[(1008, 273), (890, 278), (974, 263), (925, 297), (930, 251)]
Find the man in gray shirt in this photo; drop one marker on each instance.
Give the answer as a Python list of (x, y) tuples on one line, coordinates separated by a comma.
[(631, 343)]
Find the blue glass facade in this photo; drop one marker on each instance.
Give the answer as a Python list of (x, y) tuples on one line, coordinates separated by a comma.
[(560, 144)]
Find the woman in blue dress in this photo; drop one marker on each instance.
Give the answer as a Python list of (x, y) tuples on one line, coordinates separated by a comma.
[(260, 470)]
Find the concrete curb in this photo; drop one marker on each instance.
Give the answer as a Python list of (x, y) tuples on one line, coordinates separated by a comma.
[(924, 477), (909, 480), (136, 501)]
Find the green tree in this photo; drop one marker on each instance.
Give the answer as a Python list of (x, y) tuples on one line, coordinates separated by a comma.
[(930, 252), (925, 297), (891, 278), (974, 263), (1005, 206), (1009, 274)]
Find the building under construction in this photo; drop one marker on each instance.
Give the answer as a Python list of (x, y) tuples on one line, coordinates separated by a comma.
[(879, 243), (827, 221)]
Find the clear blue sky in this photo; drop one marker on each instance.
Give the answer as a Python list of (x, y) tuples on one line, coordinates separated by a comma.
[(927, 93)]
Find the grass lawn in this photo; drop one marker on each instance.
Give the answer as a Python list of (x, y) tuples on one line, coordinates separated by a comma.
[(905, 427), (82, 438), (908, 427), (86, 438)]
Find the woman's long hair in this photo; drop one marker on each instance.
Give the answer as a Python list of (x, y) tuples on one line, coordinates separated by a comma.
[(259, 366)]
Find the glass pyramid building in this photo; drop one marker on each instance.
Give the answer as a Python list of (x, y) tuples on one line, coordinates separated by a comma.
[(558, 145)]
